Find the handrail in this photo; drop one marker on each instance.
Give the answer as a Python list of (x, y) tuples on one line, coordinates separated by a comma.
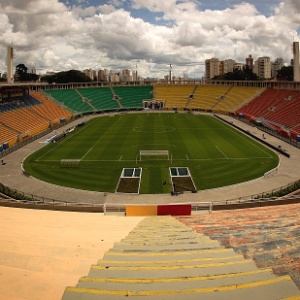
[(117, 208)]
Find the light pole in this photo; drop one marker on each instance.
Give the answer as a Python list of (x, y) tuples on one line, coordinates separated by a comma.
[(97, 69), (136, 74)]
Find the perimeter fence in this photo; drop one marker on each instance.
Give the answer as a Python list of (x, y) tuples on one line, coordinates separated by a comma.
[(271, 197)]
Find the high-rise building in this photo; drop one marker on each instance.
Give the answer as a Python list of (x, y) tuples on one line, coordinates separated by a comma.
[(90, 73), (103, 75), (212, 68), (126, 72), (222, 67), (296, 61), (135, 76), (32, 70), (125, 76), (239, 66), (262, 67), (249, 62), (229, 65), (276, 66), (113, 76)]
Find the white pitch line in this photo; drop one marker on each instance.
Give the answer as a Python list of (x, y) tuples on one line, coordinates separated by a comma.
[(251, 141), (222, 152), (178, 159), (187, 157), (87, 153), (120, 157), (66, 139)]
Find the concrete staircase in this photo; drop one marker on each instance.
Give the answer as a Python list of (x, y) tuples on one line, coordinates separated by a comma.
[(164, 259), (267, 235), (86, 100)]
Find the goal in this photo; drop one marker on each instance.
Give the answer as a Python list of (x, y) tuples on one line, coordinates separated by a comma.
[(70, 163), (149, 153)]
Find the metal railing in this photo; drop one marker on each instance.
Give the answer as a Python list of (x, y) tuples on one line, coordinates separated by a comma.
[(15, 196)]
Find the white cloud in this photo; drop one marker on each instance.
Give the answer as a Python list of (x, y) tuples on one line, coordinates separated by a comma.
[(51, 35), (107, 9)]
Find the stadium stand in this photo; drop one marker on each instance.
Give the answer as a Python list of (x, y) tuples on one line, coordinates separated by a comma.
[(7, 135), (174, 96), (268, 235), (24, 116), (263, 104), (70, 99), (24, 121), (164, 259), (206, 97), (288, 113), (17, 103), (277, 109), (235, 98), (132, 97), (101, 98), (49, 109), (295, 132), (7, 106)]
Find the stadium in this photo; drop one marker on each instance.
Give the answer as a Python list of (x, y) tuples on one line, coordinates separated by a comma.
[(157, 190)]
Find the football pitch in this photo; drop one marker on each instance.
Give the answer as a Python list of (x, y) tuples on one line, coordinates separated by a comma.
[(95, 154)]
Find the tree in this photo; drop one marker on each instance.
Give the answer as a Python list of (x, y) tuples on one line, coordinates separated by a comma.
[(21, 70), (23, 75), (67, 76), (286, 73), (237, 74)]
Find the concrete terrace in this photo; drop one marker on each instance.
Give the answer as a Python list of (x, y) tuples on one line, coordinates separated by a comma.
[(42, 252), (11, 175), (53, 255)]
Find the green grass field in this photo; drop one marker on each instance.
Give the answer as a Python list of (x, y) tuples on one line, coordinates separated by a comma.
[(216, 154)]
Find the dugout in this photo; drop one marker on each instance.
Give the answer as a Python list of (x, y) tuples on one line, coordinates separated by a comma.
[(58, 137)]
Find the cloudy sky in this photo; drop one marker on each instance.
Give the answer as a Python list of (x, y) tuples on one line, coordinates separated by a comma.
[(57, 35)]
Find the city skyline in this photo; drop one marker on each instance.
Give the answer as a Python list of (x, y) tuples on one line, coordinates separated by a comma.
[(145, 35)]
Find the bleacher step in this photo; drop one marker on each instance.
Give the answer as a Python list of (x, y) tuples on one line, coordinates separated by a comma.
[(173, 262), (154, 256), (205, 269), (278, 288), (164, 259), (184, 283)]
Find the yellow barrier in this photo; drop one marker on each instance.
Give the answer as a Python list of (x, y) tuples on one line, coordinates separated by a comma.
[(141, 210)]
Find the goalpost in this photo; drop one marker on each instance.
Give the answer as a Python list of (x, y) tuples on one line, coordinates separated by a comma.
[(163, 153), (70, 163)]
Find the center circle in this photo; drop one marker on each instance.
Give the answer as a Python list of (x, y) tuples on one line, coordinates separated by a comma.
[(155, 128)]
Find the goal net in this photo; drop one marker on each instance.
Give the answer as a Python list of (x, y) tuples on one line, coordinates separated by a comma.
[(70, 163), (148, 154)]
